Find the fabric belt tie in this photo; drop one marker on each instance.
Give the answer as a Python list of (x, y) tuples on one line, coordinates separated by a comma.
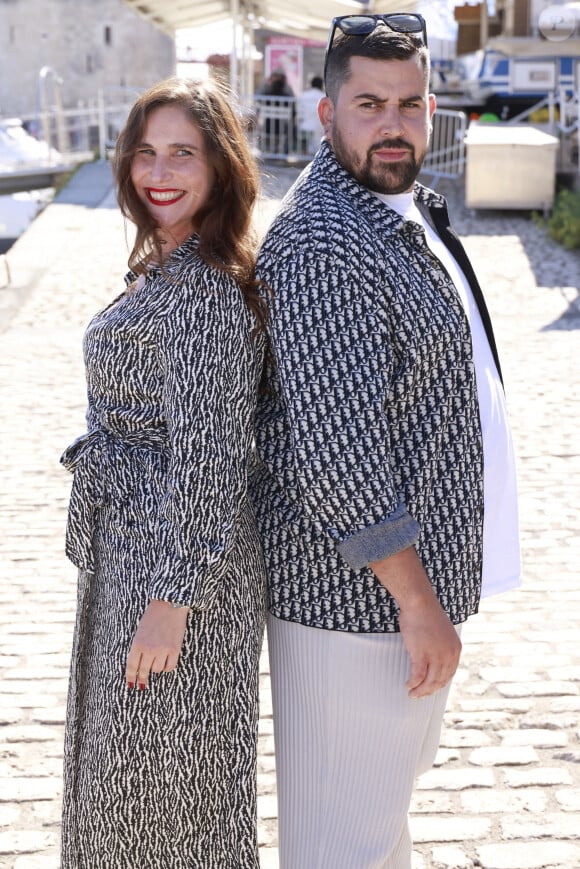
[(105, 472)]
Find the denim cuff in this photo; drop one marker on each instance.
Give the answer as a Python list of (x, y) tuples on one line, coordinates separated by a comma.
[(399, 531)]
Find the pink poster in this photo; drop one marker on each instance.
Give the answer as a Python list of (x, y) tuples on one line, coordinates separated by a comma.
[(286, 56)]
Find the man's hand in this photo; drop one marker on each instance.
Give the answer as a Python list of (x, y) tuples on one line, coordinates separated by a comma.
[(157, 642), (427, 632)]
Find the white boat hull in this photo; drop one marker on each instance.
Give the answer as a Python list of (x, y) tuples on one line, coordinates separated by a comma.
[(17, 213)]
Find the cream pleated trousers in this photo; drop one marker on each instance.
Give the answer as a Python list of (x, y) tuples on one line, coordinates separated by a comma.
[(349, 746)]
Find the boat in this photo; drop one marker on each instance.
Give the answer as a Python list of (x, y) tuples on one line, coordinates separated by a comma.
[(511, 74), (21, 153), (17, 213)]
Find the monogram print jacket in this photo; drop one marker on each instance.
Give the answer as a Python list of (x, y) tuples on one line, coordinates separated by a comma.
[(368, 430)]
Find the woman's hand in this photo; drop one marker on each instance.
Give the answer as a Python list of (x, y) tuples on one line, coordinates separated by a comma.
[(157, 642)]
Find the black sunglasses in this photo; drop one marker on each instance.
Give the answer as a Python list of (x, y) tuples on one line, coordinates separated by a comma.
[(362, 25)]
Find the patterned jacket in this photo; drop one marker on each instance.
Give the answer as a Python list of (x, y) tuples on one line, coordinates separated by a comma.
[(368, 432)]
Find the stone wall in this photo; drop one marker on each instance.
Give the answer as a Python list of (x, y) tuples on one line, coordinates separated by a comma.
[(91, 45)]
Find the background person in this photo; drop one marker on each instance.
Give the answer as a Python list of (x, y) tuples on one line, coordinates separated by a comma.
[(386, 488), (278, 113), (276, 85), (309, 127), (161, 727)]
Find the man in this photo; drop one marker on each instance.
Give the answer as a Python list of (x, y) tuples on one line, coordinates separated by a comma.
[(382, 434), (309, 126), (278, 112)]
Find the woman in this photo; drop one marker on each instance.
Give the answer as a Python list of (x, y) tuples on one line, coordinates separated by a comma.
[(160, 747)]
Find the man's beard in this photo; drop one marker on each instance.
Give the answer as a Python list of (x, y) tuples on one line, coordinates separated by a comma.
[(381, 177)]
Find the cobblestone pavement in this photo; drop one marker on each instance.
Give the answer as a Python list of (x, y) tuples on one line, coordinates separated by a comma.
[(505, 790)]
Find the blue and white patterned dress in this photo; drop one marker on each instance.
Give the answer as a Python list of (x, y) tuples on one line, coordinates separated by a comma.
[(166, 777)]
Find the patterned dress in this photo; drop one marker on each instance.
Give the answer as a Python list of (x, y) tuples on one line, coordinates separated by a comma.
[(165, 777)]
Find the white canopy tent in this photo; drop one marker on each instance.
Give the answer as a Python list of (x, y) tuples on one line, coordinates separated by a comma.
[(309, 19), (293, 17)]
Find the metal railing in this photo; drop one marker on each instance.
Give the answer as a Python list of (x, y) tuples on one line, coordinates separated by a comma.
[(563, 121), (85, 132), (273, 126), (446, 155), (569, 127)]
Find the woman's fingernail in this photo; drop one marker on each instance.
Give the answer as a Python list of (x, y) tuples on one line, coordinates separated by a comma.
[(130, 684), (142, 686)]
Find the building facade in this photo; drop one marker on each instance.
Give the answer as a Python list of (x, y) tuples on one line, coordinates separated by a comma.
[(91, 45)]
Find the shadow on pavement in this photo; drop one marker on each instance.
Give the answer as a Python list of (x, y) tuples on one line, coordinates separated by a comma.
[(570, 319)]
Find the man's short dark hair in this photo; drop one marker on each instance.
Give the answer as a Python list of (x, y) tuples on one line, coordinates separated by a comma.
[(316, 82), (380, 44)]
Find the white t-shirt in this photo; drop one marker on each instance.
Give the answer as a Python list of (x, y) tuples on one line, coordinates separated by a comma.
[(308, 119), (501, 542)]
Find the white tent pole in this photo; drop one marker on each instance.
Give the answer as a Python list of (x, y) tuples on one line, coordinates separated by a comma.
[(250, 64), (235, 12), (243, 59)]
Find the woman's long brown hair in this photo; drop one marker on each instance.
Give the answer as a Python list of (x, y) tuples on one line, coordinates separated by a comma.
[(226, 238)]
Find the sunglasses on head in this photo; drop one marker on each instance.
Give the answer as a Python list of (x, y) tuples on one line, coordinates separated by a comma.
[(362, 25)]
